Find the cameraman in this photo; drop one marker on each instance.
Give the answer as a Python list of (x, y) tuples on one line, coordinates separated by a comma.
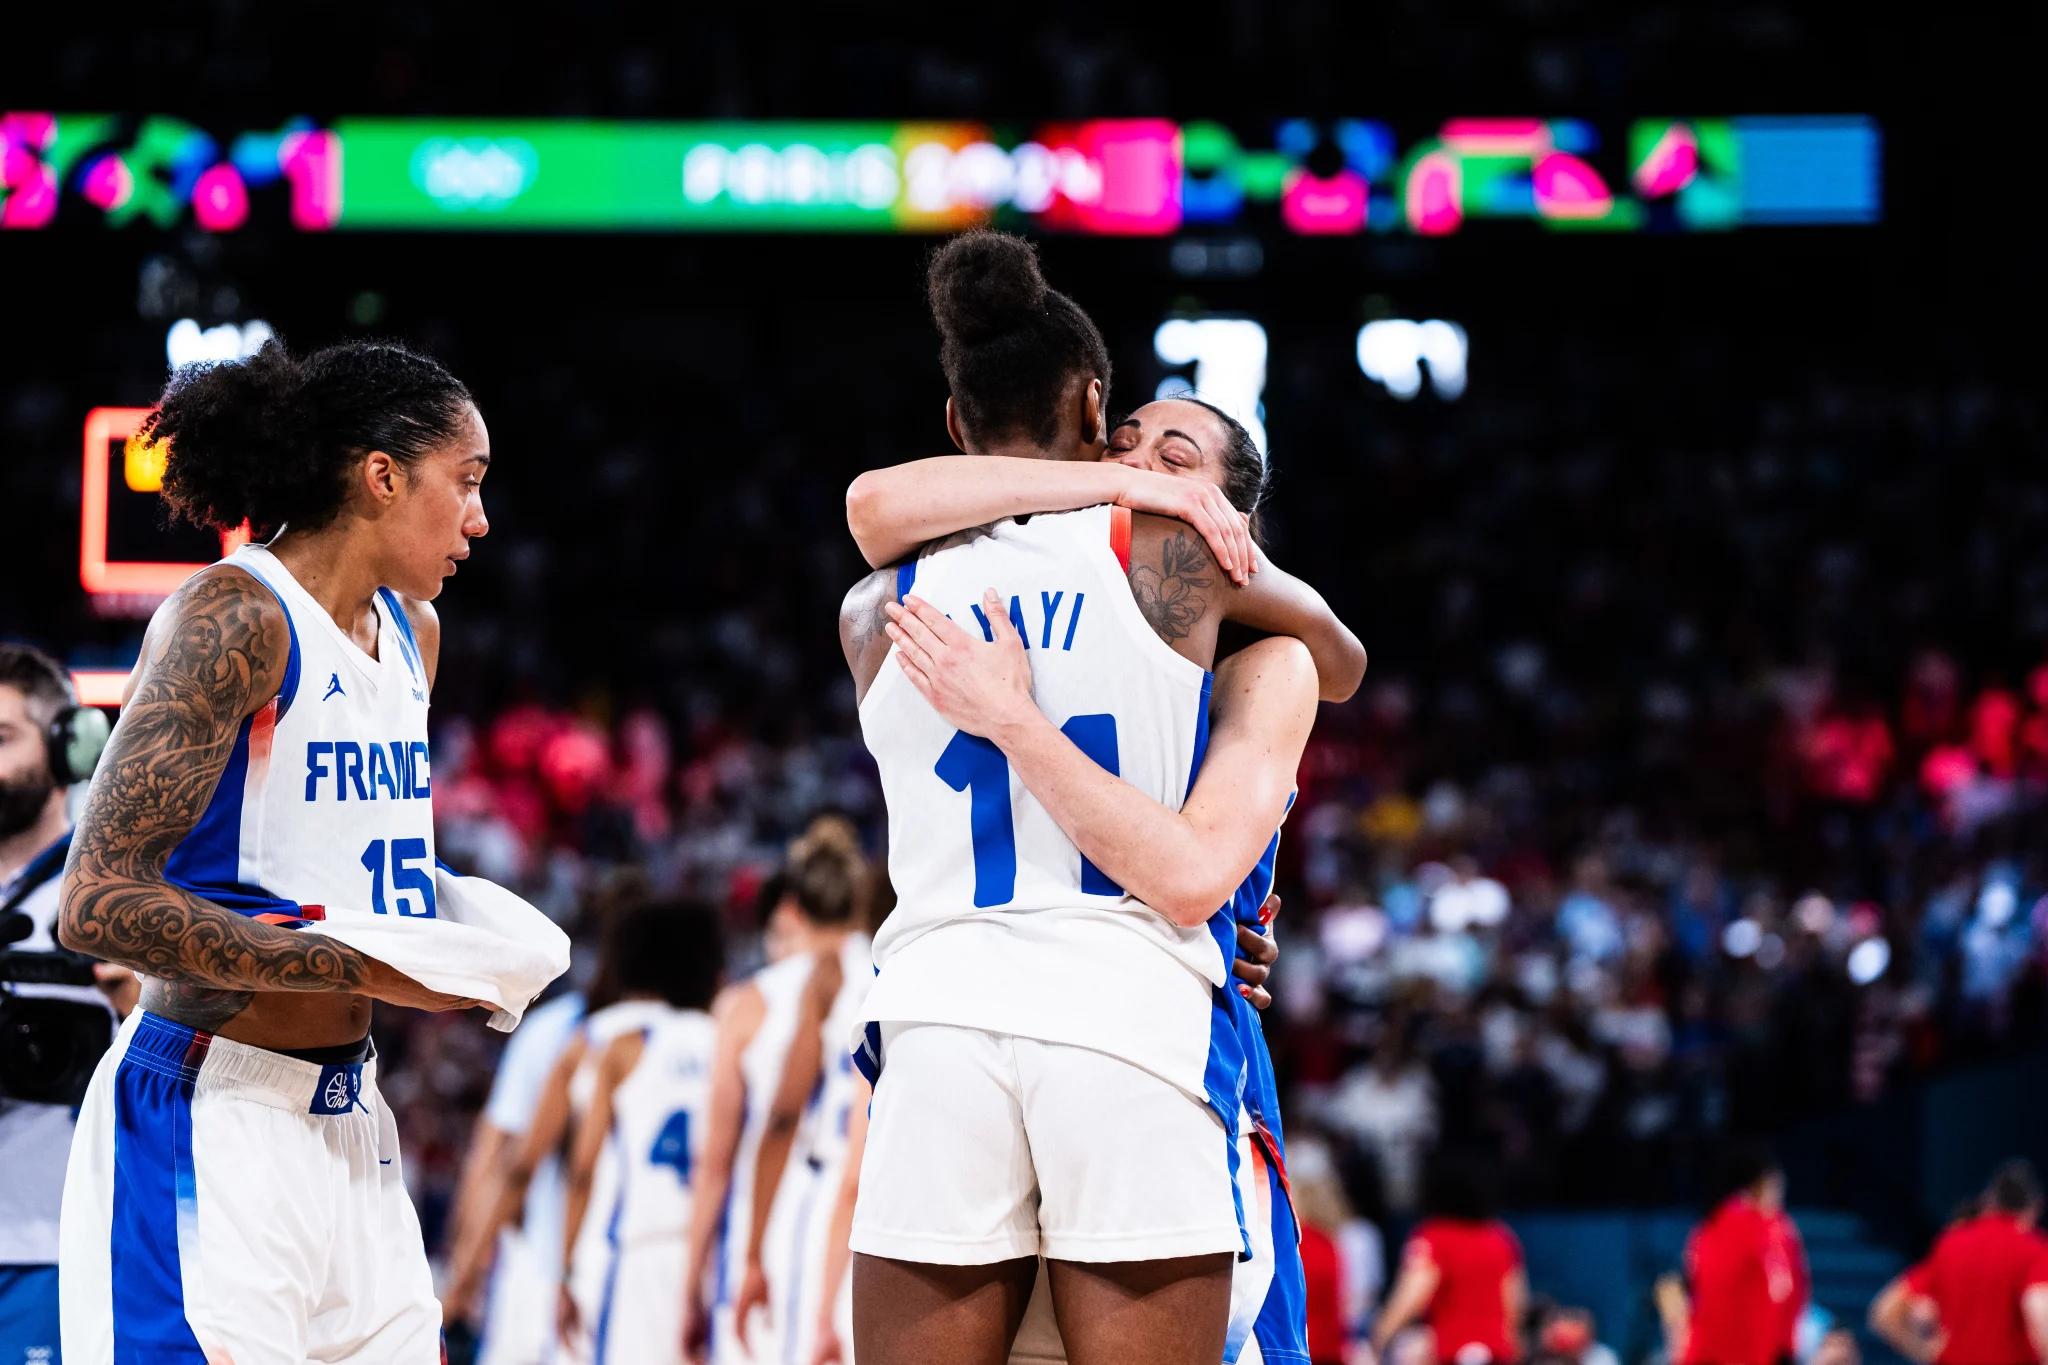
[(46, 741)]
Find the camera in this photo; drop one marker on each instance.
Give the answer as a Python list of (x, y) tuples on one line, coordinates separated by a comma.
[(49, 1043)]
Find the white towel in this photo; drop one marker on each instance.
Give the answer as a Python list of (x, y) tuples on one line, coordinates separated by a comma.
[(484, 943)]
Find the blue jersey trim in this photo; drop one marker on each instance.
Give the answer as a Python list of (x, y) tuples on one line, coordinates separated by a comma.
[(906, 574), (407, 644), (721, 1281), (1281, 1328), (155, 1195), (289, 688), (208, 860), (611, 1268)]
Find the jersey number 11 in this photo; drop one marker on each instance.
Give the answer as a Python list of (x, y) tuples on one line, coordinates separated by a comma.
[(973, 765)]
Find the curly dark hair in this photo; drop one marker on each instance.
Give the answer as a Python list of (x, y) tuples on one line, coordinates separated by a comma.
[(674, 949), (1013, 348), (271, 439)]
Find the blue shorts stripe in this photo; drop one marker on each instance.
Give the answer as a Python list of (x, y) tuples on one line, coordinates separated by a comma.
[(155, 1196), (1282, 1325)]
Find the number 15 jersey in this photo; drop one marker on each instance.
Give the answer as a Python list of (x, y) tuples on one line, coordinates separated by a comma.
[(325, 807), (1000, 923)]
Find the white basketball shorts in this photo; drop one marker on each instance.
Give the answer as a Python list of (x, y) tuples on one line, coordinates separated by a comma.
[(224, 1202), (987, 1147), (1038, 1338)]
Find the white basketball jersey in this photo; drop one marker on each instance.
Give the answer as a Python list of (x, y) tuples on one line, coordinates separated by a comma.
[(594, 1235), (1000, 924), (658, 1115), (326, 802), (782, 989), (824, 1139)]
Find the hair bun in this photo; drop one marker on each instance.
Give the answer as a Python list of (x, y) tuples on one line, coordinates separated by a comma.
[(984, 284)]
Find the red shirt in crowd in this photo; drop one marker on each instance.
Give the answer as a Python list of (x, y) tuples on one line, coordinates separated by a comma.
[(1788, 1248), (1976, 1274), (1474, 1262), (1323, 1268), (1741, 1283)]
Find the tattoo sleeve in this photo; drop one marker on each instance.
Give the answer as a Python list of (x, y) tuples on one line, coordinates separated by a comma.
[(1174, 595), (861, 622), (222, 652)]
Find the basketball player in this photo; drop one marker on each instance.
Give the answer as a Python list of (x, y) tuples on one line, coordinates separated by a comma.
[(757, 1020), (623, 1001), (1268, 1292), (529, 1199), (638, 1140), (801, 1160), (1144, 845), (506, 1280), (234, 1191), (1140, 1234), (1461, 1274), (1982, 1291)]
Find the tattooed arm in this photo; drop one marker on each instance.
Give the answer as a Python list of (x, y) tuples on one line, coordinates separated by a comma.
[(1185, 596), (215, 655), (861, 624)]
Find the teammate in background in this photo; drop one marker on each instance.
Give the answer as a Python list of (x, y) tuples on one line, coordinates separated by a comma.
[(1982, 1292), (639, 1138), (826, 900), (234, 1191), (47, 742), (801, 1161), (1461, 1274), (515, 1239), (1027, 371), (541, 1155), (1741, 1280), (517, 1326)]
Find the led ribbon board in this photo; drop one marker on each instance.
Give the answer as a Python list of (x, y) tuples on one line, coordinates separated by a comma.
[(1145, 177)]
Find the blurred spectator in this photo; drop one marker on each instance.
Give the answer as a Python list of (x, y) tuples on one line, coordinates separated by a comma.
[(1461, 1274), (1736, 1303), (1978, 1294), (1389, 1109)]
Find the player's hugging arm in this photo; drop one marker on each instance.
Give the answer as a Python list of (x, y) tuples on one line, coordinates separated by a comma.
[(893, 511), (1275, 602), (214, 655)]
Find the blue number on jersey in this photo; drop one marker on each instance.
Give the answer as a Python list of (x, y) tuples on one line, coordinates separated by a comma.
[(973, 765), (977, 767), (672, 1145), (405, 876)]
